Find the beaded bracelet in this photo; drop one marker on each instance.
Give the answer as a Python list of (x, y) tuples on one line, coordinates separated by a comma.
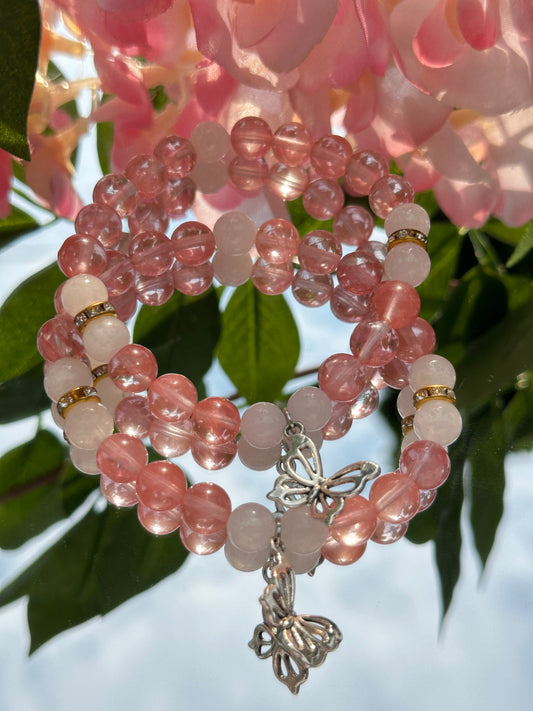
[(97, 379)]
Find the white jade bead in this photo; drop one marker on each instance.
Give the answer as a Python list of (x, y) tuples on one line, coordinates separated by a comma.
[(408, 216), (64, 374), (234, 233), (84, 460), (302, 563), (407, 262), (310, 406), (104, 336), (58, 419), (245, 561), (262, 424), (250, 527), (232, 270), (211, 141), (409, 438), (87, 424), (405, 402), (81, 291), (255, 458), (431, 370), (108, 393), (210, 177), (301, 533), (438, 421)]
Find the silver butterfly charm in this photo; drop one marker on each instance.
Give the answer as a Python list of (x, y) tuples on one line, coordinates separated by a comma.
[(325, 495), (296, 643)]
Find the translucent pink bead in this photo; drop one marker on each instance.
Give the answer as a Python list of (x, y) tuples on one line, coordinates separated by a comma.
[(364, 169), (81, 291), (439, 421), (387, 532), (374, 343), (178, 196), (251, 137), (210, 140), (118, 276), (310, 406), (121, 457), (177, 154), (263, 424), (133, 368), (159, 523), (64, 374), (375, 376), (210, 177), (301, 533), (117, 192), (148, 217), (312, 290), (87, 424), (151, 253), (366, 403), (148, 174), (81, 254), (59, 338), (100, 222), (347, 307), (272, 278), (341, 554), (234, 233), (250, 528), (341, 377), (287, 182), (292, 143), (389, 192), (125, 304), (255, 458), (415, 340), (407, 262), (427, 463), (248, 174), (376, 249), (123, 245), (84, 460), (216, 420), (323, 199), (395, 373), (232, 270), (404, 402), (339, 423), (154, 290), (277, 241), (330, 155), (431, 370), (172, 397), (161, 485), (319, 252), (193, 243), (104, 336), (170, 439), (132, 416), (427, 497), (359, 272), (206, 508), (353, 225), (356, 523), (192, 280), (396, 302), (395, 496), (199, 543), (120, 495), (407, 216), (213, 456)]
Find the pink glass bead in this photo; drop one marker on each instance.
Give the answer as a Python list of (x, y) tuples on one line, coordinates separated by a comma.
[(356, 523), (397, 303), (118, 276), (255, 458), (154, 290), (210, 177), (87, 424), (364, 169), (133, 368), (353, 225), (177, 154), (347, 307), (439, 421), (178, 196), (287, 182), (263, 424), (148, 217), (232, 270), (427, 497), (301, 532), (312, 290), (330, 155), (319, 252), (395, 373), (216, 420), (366, 403), (213, 456), (310, 406), (81, 254), (64, 374), (193, 243), (277, 241), (121, 457), (427, 463), (199, 543), (117, 192), (407, 262), (125, 304), (148, 174), (395, 496), (292, 143), (151, 253), (59, 338), (192, 280), (234, 233), (120, 495), (132, 416), (248, 174), (415, 340), (340, 554), (272, 278), (84, 460), (431, 370), (170, 439), (323, 199), (172, 397), (159, 523), (407, 216), (210, 140), (387, 532), (375, 377), (376, 249), (161, 485), (100, 222), (206, 508), (342, 377), (339, 423), (123, 245), (251, 137), (389, 192), (359, 272), (374, 343)]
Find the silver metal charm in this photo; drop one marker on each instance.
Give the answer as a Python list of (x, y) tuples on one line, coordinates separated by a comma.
[(296, 643)]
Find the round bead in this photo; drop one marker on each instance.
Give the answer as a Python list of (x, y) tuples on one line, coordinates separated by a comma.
[(339, 423), (396, 302), (347, 307), (389, 192), (272, 278), (277, 241), (170, 439), (132, 416), (439, 421), (366, 403), (431, 370), (206, 508), (250, 528), (245, 561), (210, 140), (87, 424), (319, 252), (395, 497), (287, 182), (81, 254), (119, 276), (104, 336), (374, 343), (248, 174), (193, 243), (359, 272), (407, 216), (408, 439), (251, 137), (81, 291), (154, 290), (292, 143), (172, 397), (427, 497), (234, 233), (121, 457), (148, 217), (405, 402), (120, 495), (387, 532), (159, 523), (59, 338), (148, 174), (178, 196), (161, 485), (213, 456), (341, 377), (330, 155), (427, 463), (177, 154), (341, 554), (215, 420), (100, 222), (302, 563), (109, 394), (356, 523), (199, 543), (133, 368), (323, 199), (312, 290), (301, 532), (353, 225), (65, 374), (255, 458), (117, 192), (262, 425), (395, 374), (364, 169), (151, 253), (210, 177), (232, 270), (192, 280), (415, 340), (310, 406), (407, 262), (84, 460)]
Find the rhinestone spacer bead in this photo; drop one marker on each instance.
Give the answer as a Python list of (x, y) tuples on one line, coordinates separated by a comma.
[(99, 371), (69, 399), (433, 392), (404, 235), (407, 425), (101, 308)]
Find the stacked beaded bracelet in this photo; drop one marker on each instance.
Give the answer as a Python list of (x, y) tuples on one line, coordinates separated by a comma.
[(99, 381)]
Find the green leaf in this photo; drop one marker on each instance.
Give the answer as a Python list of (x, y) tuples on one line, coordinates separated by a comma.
[(444, 247), (484, 250), (23, 396), (16, 224), (105, 132), (518, 417), (104, 560), (20, 30), (522, 248), (21, 316), (508, 235), (260, 346)]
